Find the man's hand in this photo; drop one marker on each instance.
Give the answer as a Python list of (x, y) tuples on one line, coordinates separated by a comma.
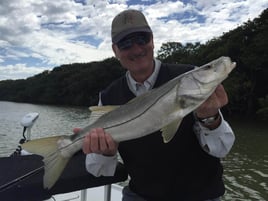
[(98, 141), (212, 105)]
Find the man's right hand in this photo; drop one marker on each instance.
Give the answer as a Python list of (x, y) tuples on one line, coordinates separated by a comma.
[(100, 142)]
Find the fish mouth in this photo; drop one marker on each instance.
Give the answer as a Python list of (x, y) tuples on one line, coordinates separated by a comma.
[(233, 65)]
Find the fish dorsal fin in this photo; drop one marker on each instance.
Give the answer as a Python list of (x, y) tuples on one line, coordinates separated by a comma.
[(98, 111), (170, 130)]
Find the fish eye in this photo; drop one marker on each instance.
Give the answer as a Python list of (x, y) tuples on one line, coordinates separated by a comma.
[(208, 67)]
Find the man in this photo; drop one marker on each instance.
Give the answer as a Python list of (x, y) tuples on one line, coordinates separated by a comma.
[(187, 168)]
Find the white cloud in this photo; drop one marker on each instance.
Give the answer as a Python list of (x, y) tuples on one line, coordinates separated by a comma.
[(59, 50), (60, 32), (18, 71)]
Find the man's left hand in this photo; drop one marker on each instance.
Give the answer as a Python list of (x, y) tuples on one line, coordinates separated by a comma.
[(212, 105)]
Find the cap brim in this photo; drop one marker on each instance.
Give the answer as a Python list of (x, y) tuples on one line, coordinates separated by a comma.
[(123, 34)]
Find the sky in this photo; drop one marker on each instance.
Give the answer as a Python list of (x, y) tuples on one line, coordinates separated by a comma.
[(38, 35)]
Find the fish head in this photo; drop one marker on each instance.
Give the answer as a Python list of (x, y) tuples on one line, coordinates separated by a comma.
[(215, 71), (197, 85)]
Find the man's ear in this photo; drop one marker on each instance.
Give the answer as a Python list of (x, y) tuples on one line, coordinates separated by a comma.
[(152, 40), (115, 49)]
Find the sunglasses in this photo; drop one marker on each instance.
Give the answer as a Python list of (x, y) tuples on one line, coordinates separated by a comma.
[(141, 38)]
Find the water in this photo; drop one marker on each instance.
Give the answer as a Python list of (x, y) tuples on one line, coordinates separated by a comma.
[(245, 168), (53, 120)]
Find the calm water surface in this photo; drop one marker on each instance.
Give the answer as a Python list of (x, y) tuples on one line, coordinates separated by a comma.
[(53, 120), (246, 167)]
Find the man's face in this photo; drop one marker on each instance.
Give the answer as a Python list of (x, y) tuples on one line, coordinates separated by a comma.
[(135, 52)]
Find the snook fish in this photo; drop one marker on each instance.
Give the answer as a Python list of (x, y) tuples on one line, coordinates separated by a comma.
[(159, 109)]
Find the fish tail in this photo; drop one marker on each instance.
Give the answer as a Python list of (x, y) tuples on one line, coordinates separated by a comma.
[(54, 160)]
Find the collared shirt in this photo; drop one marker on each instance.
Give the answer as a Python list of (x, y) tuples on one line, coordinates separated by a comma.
[(140, 88)]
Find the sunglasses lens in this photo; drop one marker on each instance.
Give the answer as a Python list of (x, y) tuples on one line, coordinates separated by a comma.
[(124, 44), (139, 38)]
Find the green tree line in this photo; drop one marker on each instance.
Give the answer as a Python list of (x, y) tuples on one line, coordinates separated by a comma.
[(75, 84), (247, 45), (80, 83)]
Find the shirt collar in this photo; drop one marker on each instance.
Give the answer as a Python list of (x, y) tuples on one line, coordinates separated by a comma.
[(148, 84)]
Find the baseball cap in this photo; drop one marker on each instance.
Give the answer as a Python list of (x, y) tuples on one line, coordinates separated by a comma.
[(127, 22)]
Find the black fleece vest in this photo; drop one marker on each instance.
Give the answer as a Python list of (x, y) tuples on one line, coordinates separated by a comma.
[(179, 170)]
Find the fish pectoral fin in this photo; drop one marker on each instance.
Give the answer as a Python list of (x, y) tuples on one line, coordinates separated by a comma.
[(98, 111), (170, 130)]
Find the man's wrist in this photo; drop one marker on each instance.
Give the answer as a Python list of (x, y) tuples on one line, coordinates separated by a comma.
[(211, 122)]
